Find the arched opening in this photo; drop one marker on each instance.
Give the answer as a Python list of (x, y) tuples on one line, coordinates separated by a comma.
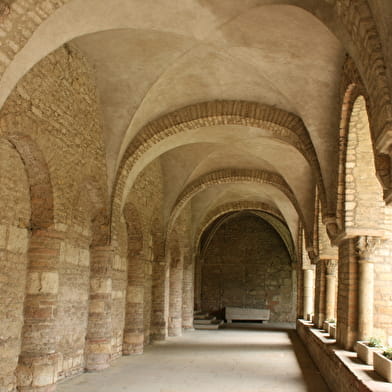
[(245, 263)]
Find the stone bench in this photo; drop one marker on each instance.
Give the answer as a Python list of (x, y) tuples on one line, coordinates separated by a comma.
[(232, 313)]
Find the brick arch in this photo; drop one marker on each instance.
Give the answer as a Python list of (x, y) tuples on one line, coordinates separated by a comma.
[(37, 170), (264, 210), (235, 206), (352, 91), (230, 176), (278, 124), (357, 31)]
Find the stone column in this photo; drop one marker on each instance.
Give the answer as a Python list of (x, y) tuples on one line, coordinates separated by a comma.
[(99, 329), (364, 248), (175, 302), (308, 292), (319, 303), (37, 367), (198, 281), (160, 297), (330, 289), (133, 341), (188, 292)]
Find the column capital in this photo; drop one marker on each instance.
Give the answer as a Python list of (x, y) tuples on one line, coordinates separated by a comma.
[(365, 246), (331, 266)]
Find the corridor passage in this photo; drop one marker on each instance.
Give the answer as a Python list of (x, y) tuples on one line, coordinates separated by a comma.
[(242, 358)]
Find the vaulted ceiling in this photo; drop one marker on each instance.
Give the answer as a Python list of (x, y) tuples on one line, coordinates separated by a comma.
[(153, 58)]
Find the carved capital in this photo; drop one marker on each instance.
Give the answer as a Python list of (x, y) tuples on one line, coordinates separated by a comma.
[(331, 266), (365, 246)]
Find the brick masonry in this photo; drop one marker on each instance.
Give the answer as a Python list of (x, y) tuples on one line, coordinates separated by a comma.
[(246, 264)]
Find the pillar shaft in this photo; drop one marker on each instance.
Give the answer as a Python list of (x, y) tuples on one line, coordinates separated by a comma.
[(330, 289), (99, 329), (133, 341), (188, 293), (37, 365), (160, 301), (319, 303), (364, 247), (175, 302), (308, 292)]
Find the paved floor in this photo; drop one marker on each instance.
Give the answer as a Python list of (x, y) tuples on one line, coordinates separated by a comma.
[(241, 358)]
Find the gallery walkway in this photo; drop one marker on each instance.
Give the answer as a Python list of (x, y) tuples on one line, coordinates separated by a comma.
[(236, 359)]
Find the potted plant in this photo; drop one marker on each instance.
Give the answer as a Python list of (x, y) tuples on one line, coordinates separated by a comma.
[(383, 363), (327, 324), (365, 349), (332, 330)]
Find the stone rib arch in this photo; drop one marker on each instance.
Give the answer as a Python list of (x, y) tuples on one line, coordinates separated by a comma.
[(41, 191), (263, 210), (225, 208), (278, 124), (227, 176), (356, 29)]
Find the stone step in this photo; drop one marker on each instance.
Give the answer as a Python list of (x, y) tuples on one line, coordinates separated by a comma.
[(214, 325), (204, 321)]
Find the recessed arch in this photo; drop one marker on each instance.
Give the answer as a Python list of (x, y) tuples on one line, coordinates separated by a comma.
[(234, 176), (276, 123), (41, 191)]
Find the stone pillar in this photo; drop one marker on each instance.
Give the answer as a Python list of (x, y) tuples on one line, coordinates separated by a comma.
[(99, 329), (160, 294), (308, 292), (175, 301), (133, 341), (188, 292), (198, 282), (37, 367), (364, 248), (319, 303), (330, 288)]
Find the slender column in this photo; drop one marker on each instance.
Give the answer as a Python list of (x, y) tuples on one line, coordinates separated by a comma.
[(188, 292), (99, 329), (37, 367), (330, 289), (364, 248), (308, 292), (198, 282), (319, 303), (160, 301), (175, 304), (133, 341)]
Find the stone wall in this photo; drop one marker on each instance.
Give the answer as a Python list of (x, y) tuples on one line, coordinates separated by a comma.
[(246, 264), (52, 118), (14, 235)]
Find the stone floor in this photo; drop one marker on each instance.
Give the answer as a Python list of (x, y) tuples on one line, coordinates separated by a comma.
[(242, 358)]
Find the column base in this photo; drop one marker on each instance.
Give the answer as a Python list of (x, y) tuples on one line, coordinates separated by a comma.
[(37, 374), (98, 354), (133, 343)]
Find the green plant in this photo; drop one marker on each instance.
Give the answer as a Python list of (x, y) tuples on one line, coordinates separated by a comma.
[(388, 353), (331, 321), (374, 342)]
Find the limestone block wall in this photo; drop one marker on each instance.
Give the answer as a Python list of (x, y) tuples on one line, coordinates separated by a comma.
[(55, 106), (382, 292), (14, 236), (247, 265), (146, 199)]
